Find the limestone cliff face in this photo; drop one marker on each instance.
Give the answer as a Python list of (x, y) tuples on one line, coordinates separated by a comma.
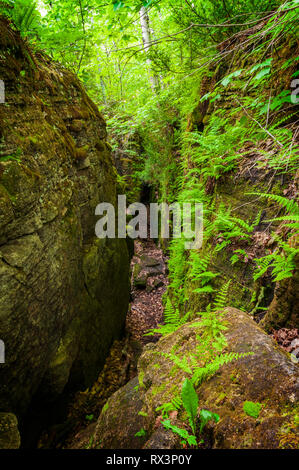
[(63, 292)]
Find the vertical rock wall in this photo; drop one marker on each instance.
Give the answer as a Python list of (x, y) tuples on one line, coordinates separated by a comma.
[(63, 292)]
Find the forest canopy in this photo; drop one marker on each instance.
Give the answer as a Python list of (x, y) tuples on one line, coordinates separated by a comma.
[(123, 49)]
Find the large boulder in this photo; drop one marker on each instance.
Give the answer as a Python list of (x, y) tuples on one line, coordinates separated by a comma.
[(268, 377), (63, 292)]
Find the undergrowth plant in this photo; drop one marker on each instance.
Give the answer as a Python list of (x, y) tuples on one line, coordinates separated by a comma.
[(200, 363), (197, 422), (281, 261)]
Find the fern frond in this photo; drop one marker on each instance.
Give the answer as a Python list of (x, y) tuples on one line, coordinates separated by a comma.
[(289, 204), (202, 373), (182, 363), (221, 297)]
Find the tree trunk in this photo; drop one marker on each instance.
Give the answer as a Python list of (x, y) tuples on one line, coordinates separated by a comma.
[(146, 38)]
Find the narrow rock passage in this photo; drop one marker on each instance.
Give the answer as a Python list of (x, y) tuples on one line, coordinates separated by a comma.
[(149, 283)]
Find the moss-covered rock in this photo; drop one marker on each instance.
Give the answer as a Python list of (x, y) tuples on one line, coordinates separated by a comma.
[(63, 293), (267, 377), (9, 433)]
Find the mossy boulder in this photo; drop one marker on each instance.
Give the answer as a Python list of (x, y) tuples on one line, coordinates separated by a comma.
[(63, 293), (9, 433), (267, 377)]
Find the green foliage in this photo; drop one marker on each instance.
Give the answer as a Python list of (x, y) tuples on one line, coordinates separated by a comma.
[(24, 14), (225, 227), (212, 151), (183, 433), (205, 416), (175, 405), (89, 417), (141, 433), (90, 443), (105, 407), (208, 357), (7, 156), (201, 374), (172, 320), (289, 204), (282, 260), (252, 409), (190, 402), (221, 106), (220, 299)]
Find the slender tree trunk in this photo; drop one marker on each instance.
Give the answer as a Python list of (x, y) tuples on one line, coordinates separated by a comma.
[(146, 38), (118, 66), (102, 83)]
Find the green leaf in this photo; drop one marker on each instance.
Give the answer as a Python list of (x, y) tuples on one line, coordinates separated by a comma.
[(141, 433), (266, 63), (205, 289), (217, 97), (262, 73), (229, 78), (181, 432), (206, 416), (147, 3), (190, 402), (118, 5)]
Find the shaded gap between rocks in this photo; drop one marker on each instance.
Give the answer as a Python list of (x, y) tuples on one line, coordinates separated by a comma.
[(78, 414)]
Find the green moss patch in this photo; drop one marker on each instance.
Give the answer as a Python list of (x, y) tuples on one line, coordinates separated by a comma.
[(252, 409)]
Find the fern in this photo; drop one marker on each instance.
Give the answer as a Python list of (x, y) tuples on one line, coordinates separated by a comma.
[(205, 416), (293, 220), (25, 15), (282, 260), (190, 402), (203, 373), (181, 363), (175, 405), (282, 263), (221, 298), (203, 290), (257, 219), (171, 315), (289, 204), (226, 227), (183, 433), (172, 320), (263, 265)]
